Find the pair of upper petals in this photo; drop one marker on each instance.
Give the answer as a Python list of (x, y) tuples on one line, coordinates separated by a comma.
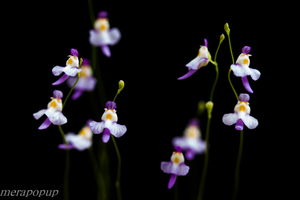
[(115, 129)]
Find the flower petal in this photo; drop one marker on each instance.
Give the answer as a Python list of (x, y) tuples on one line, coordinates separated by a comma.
[(246, 84), (57, 70), (45, 124), (57, 94), (194, 64), (105, 50), (57, 118), (172, 181), (106, 135), (239, 125), (250, 121), (180, 141), (40, 113), (97, 127), (80, 143), (72, 71), (254, 73), (114, 36), (117, 130), (183, 169), (76, 94), (61, 80), (238, 70), (188, 74), (190, 154), (230, 118), (166, 167), (63, 146)]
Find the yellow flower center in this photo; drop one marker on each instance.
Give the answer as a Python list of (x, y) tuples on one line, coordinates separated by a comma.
[(199, 53), (53, 104), (82, 132), (70, 61), (102, 27), (108, 116), (245, 61), (176, 160), (242, 108)]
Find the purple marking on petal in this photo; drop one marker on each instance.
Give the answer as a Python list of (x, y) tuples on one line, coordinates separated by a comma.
[(194, 122), (102, 14), (57, 94), (190, 154), (178, 148), (77, 94), (239, 125), (106, 135), (205, 42), (105, 50), (85, 61), (74, 52), (246, 49), (61, 80), (45, 124), (110, 105), (244, 97), (172, 181), (190, 73), (246, 84)]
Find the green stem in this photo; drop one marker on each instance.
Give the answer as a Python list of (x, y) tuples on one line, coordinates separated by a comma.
[(91, 11), (119, 170), (67, 167), (98, 175), (237, 169)]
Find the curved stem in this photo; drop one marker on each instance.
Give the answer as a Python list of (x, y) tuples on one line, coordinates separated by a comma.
[(237, 169), (119, 170), (67, 167)]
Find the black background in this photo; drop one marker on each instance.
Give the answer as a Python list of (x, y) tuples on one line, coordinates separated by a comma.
[(158, 39)]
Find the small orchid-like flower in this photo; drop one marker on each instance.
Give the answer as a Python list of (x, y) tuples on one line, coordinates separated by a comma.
[(81, 141), (241, 68), (108, 123), (53, 111), (71, 68), (201, 60), (102, 35), (191, 142), (175, 167), (86, 82), (241, 115)]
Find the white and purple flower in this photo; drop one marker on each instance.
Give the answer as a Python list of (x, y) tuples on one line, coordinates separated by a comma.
[(241, 68), (175, 167), (102, 35), (86, 82), (81, 141), (241, 115), (53, 111), (201, 60), (108, 125), (191, 141), (71, 68)]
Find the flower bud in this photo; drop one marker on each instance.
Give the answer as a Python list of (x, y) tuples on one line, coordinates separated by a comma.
[(121, 85), (209, 106), (201, 107), (222, 37), (226, 28)]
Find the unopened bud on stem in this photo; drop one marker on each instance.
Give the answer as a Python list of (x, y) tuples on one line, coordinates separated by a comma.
[(226, 28), (209, 107)]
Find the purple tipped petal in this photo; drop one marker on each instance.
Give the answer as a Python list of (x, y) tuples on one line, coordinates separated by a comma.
[(57, 94), (77, 94), (205, 42), (74, 52), (63, 146), (194, 122), (246, 84), (172, 181), (190, 154), (110, 105), (246, 49), (45, 124), (244, 97), (190, 73), (102, 14), (178, 148), (61, 80), (105, 50), (85, 61), (106, 135), (239, 125)]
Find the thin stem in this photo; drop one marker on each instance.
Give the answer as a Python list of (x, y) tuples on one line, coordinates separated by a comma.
[(119, 170), (116, 95), (237, 169), (91, 12), (98, 175), (230, 68), (176, 190), (67, 167), (204, 172)]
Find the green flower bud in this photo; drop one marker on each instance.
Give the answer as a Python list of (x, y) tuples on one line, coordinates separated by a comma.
[(226, 28), (222, 37), (121, 85), (201, 107), (209, 106)]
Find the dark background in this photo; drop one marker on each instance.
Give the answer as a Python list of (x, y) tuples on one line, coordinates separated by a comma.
[(158, 39)]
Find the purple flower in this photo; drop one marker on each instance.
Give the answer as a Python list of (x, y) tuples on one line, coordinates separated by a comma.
[(201, 60), (241, 68), (81, 141), (102, 35), (53, 111), (191, 142), (175, 167), (71, 68), (108, 123), (241, 115), (86, 82)]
